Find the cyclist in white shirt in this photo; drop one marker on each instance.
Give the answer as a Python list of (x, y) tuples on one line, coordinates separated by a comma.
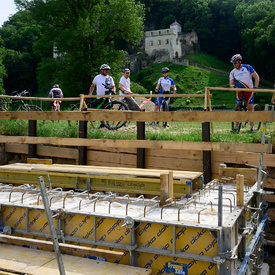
[(124, 88), (241, 77), (102, 79)]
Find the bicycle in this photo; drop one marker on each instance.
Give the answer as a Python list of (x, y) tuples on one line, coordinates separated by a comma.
[(106, 104), (164, 106), (56, 105), (242, 106), (7, 105)]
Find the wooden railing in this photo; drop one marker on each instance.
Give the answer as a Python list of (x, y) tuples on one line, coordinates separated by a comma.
[(140, 117)]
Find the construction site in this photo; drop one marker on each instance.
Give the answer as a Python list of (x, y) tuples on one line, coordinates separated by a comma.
[(115, 208)]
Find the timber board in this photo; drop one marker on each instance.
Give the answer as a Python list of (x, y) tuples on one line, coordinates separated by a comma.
[(38, 262)]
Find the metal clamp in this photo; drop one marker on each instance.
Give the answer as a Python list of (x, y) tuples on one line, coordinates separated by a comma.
[(128, 222)]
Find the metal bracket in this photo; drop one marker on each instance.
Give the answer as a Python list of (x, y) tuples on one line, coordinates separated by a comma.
[(6, 230), (128, 222)]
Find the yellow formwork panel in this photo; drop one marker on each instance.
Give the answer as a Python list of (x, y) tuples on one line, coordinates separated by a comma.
[(189, 240), (15, 217), (165, 264)]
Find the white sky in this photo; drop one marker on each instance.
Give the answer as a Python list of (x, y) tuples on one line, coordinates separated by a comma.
[(7, 8)]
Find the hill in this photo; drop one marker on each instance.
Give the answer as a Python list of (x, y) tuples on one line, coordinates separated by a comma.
[(193, 80)]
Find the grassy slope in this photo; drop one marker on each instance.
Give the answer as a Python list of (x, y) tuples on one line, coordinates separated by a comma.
[(192, 80)]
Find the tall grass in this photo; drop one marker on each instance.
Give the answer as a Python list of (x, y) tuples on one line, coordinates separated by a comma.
[(178, 131)]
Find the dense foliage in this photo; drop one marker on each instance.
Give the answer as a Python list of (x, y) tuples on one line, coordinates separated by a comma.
[(87, 33)]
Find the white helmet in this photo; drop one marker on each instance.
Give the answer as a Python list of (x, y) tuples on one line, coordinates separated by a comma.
[(105, 67)]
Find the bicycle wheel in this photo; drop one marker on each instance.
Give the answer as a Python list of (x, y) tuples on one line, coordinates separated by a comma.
[(3, 105), (164, 108), (114, 105), (236, 126), (257, 125), (74, 108)]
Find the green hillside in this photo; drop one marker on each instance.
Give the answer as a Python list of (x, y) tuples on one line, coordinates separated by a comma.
[(193, 80)]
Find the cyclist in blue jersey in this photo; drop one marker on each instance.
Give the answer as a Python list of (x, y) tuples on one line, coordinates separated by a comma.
[(164, 84), (241, 77)]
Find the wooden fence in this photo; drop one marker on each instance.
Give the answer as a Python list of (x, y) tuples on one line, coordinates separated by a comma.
[(203, 156)]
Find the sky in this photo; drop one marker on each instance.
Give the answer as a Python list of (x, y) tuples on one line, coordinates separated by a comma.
[(7, 8)]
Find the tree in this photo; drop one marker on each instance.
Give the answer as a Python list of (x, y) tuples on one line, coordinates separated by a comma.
[(85, 34), (2, 67), (19, 34)]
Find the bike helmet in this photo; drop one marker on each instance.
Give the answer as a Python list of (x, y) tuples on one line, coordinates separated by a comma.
[(126, 70), (55, 86), (164, 69), (105, 67), (235, 58)]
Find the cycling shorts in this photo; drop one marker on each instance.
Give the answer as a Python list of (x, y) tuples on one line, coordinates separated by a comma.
[(159, 100), (247, 96)]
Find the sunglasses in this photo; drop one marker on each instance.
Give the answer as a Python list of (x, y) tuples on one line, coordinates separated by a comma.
[(165, 72)]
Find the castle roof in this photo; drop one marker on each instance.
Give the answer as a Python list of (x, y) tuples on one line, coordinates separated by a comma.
[(175, 24)]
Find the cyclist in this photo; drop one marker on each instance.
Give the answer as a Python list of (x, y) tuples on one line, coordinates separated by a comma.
[(102, 80), (55, 92), (241, 77), (164, 84), (124, 88)]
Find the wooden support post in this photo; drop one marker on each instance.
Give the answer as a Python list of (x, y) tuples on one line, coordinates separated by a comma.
[(141, 151), (206, 154), (170, 184), (32, 133), (82, 150), (165, 188), (81, 101), (240, 190)]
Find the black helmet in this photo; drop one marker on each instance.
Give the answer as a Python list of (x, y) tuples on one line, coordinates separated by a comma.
[(55, 86), (235, 58), (105, 67), (164, 69)]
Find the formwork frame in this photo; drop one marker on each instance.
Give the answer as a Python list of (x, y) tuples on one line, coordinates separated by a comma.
[(229, 242)]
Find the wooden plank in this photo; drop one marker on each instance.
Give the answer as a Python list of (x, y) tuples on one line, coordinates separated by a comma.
[(152, 144), (111, 159), (269, 183), (65, 248), (39, 161), (107, 115), (271, 214), (243, 158), (42, 150), (250, 174), (38, 262), (269, 198), (16, 148)]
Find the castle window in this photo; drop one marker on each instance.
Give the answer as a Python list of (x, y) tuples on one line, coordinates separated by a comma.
[(167, 31), (167, 41), (159, 32), (152, 33), (159, 42), (151, 43), (177, 42)]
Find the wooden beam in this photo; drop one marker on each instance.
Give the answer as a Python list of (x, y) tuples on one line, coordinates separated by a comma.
[(108, 115), (65, 248), (150, 144), (240, 190)]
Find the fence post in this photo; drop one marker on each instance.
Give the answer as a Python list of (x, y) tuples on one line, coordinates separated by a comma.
[(141, 151), (206, 154), (32, 133), (82, 150)]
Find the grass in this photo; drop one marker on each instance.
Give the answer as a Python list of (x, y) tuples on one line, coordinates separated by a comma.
[(178, 131)]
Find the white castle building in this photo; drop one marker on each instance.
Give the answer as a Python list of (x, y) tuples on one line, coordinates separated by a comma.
[(170, 44)]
